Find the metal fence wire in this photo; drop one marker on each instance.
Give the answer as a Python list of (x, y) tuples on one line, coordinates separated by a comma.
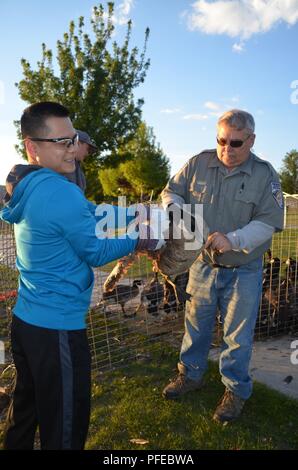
[(141, 310)]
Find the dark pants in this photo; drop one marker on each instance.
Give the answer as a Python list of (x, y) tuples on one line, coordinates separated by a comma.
[(52, 389)]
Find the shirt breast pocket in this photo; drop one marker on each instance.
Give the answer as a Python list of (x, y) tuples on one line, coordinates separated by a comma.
[(245, 203), (199, 193)]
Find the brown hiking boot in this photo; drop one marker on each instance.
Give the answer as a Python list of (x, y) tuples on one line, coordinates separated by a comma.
[(180, 385), (229, 408)]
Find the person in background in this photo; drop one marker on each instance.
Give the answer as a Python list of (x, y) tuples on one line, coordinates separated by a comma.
[(86, 147)]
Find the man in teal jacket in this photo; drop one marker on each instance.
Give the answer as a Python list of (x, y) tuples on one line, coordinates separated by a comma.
[(58, 242)]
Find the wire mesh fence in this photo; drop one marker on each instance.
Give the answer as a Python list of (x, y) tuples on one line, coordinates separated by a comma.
[(8, 294), (279, 303), (142, 309)]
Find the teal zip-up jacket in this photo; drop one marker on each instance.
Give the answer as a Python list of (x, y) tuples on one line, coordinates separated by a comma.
[(55, 231)]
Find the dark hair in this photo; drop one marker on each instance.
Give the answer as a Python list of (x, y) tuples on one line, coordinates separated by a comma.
[(34, 117)]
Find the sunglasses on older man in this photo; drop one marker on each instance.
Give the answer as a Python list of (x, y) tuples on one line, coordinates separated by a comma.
[(235, 143), (65, 141)]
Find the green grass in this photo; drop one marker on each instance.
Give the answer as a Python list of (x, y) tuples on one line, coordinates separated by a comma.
[(112, 340), (8, 278), (140, 268), (127, 404), (8, 282)]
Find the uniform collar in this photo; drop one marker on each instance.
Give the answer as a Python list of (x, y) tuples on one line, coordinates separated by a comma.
[(245, 167)]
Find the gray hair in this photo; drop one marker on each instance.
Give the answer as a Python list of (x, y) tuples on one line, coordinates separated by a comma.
[(238, 119)]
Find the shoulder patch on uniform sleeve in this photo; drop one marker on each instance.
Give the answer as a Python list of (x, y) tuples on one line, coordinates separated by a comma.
[(277, 193)]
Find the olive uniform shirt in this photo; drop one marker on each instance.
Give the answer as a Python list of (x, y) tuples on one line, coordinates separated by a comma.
[(251, 191)]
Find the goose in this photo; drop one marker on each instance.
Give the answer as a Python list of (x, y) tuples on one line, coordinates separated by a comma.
[(121, 294)]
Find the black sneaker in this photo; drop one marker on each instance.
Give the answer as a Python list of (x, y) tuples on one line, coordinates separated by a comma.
[(180, 385), (229, 408)]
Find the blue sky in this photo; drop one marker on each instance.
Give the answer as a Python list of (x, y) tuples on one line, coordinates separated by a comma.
[(206, 57)]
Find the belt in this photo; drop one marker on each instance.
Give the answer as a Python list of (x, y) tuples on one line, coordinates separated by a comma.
[(222, 266)]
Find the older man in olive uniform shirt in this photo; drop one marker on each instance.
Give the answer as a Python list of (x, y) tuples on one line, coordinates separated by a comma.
[(242, 208)]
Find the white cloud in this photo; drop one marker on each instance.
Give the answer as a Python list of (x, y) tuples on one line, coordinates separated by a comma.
[(241, 18), (262, 155), (238, 47), (195, 117), (121, 13), (211, 105), (170, 111), (213, 109), (216, 109), (216, 113), (235, 99)]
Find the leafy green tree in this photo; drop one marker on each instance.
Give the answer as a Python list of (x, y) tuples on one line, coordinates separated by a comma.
[(113, 182), (142, 167), (289, 173), (96, 81)]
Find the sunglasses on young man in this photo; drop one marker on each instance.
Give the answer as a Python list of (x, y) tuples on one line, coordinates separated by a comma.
[(65, 141), (235, 143)]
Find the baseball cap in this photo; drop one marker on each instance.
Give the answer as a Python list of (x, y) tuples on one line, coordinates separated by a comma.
[(84, 137)]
